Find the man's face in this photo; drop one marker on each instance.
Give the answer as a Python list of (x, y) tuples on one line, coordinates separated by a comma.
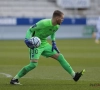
[(59, 19)]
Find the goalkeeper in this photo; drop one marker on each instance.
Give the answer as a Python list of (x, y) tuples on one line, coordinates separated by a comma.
[(43, 29)]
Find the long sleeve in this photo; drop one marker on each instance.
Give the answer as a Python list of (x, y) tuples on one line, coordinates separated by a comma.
[(28, 34), (37, 26), (33, 29), (53, 37)]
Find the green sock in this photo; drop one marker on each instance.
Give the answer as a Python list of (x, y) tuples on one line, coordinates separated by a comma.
[(66, 65), (25, 70)]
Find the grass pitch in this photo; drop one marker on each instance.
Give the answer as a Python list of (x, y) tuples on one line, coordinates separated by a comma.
[(49, 75)]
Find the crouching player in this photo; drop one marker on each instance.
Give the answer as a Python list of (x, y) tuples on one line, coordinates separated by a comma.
[(43, 29)]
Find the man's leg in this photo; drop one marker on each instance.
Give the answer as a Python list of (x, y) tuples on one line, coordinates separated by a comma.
[(64, 64), (25, 70), (67, 66), (97, 37), (34, 56), (49, 53), (22, 72)]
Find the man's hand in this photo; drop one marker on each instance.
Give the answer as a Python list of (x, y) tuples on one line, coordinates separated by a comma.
[(54, 47), (29, 44)]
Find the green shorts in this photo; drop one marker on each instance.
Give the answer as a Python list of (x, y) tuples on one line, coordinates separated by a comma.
[(45, 51)]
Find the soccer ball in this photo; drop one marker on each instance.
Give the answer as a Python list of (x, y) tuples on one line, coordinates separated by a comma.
[(35, 41)]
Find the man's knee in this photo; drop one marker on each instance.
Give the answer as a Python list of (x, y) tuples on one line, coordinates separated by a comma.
[(31, 66), (60, 57), (57, 56), (34, 61)]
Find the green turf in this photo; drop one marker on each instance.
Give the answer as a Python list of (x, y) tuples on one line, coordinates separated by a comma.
[(49, 75)]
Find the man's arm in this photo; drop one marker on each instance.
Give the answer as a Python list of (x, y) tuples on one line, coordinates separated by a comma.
[(53, 37), (31, 33), (54, 47), (37, 26)]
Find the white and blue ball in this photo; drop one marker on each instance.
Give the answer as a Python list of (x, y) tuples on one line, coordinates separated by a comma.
[(35, 41)]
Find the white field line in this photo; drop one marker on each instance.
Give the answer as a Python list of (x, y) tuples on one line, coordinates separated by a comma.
[(7, 75)]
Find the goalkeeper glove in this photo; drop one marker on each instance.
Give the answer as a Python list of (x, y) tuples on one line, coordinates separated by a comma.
[(29, 44), (54, 47)]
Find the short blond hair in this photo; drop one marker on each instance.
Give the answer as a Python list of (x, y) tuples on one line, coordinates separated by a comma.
[(57, 13)]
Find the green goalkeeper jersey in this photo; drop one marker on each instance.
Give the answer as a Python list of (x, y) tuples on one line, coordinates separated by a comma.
[(43, 29)]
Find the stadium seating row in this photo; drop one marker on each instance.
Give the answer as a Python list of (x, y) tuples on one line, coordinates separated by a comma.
[(42, 8)]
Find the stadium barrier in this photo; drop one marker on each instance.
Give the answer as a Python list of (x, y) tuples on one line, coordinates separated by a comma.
[(31, 21), (15, 28)]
